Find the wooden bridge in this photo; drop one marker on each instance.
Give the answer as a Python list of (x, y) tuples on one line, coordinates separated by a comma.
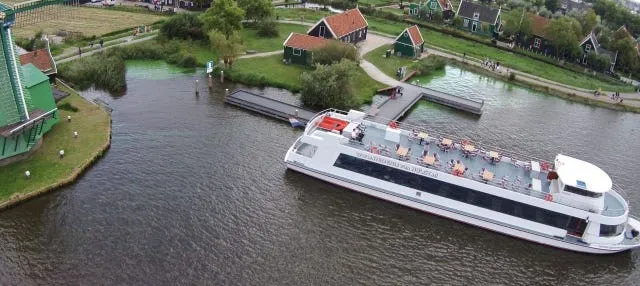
[(394, 109)]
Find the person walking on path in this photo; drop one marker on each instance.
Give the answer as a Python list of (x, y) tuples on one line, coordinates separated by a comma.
[(79, 52), (101, 43)]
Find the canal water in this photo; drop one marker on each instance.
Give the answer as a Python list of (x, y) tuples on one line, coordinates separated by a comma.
[(194, 191)]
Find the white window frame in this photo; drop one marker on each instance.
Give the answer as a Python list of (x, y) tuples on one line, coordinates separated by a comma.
[(476, 15), (433, 5), (587, 47), (299, 53), (321, 31), (465, 23), (536, 42)]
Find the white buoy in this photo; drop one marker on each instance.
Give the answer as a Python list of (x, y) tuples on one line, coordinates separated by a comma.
[(75, 134), (27, 174), (61, 153), (69, 118)]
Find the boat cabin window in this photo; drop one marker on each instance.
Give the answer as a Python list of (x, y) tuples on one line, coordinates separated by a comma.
[(582, 192), (611, 230), (461, 194)]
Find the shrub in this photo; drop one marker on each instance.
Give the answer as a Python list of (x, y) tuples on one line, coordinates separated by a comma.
[(183, 26), (328, 86), (101, 71), (334, 52), (428, 65), (68, 107), (512, 76), (268, 28)]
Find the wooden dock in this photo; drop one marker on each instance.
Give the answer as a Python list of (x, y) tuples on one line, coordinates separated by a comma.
[(394, 109), (268, 106)]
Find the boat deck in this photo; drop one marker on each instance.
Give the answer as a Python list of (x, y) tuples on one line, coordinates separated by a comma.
[(506, 173)]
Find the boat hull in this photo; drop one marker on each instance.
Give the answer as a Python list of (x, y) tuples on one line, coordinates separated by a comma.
[(434, 209)]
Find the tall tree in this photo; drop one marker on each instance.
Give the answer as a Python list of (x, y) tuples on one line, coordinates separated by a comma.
[(627, 54), (224, 16), (565, 34), (517, 22), (228, 47), (588, 20), (256, 10)]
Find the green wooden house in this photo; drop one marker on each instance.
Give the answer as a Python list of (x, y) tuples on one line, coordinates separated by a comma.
[(427, 9), (409, 43), (479, 19), (298, 48)]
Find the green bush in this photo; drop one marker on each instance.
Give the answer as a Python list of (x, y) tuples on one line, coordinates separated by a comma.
[(428, 65), (334, 52), (328, 86), (68, 107), (268, 28), (183, 26)]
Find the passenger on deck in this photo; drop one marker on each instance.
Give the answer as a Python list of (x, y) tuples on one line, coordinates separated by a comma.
[(435, 155)]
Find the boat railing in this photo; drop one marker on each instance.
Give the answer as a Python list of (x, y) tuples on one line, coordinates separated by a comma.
[(510, 186), (487, 146)]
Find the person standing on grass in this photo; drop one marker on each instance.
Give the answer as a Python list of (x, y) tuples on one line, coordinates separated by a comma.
[(79, 52), (101, 43)]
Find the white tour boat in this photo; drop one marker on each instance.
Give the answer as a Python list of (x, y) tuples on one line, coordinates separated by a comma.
[(567, 203)]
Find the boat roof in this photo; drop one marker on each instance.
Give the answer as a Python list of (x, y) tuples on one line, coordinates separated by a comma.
[(580, 174)]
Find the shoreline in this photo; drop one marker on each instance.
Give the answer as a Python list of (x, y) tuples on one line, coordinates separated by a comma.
[(547, 90), (18, 198)]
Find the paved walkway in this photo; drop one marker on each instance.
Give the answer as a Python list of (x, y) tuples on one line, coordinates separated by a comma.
[(84, 54), (259, 55)]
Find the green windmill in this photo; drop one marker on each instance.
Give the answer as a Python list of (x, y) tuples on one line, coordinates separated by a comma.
[(27, 107)]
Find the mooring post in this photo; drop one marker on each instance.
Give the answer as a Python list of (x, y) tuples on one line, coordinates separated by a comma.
[(195, 85), (210, 82), (221, 76)]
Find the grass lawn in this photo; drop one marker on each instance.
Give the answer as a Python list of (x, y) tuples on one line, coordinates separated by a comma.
[(46, 168), (261, 44), (310, 16), (278, 74), (393, 10), (387, 26), (364, 86), (270, 69), (387, 65), (89, 21)]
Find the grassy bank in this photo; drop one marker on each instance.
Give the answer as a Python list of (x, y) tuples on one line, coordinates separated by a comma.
[(271, 71), (47, 170)]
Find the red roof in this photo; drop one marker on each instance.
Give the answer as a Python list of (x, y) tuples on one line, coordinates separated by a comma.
[(416, 36), (444, 3), (539, 25), (346, 22), (305, 42), (39, 58)]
